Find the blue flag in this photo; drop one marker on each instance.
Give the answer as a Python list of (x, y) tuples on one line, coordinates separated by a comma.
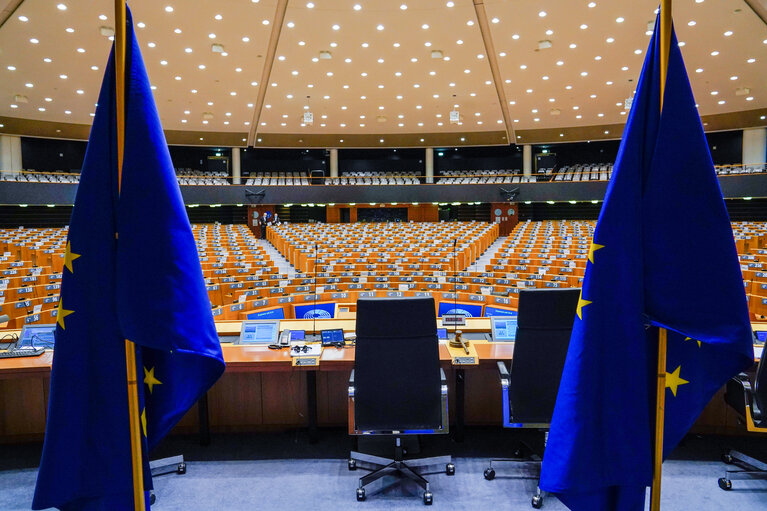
[(663, 255), (131, 272)]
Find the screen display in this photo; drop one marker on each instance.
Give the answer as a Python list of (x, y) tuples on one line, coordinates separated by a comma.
[(761, 336), (38, 336), (504, 328), (259, 332), (468, 310), (319, 311), (297, 335), (277, 313), (442, 334), (332, 336), (498, 311)]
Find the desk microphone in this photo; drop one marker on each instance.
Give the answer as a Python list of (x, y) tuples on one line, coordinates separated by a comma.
[(458, 341)]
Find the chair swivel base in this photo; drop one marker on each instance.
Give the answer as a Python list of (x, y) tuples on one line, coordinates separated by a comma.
[(749, 468), (537, 500), (404, 468)]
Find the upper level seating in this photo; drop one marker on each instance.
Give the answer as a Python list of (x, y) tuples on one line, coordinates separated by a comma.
[(198, 177), (375, 178), (277, 178), (31, 176), (463, 177), (585, 172), (732, 170)]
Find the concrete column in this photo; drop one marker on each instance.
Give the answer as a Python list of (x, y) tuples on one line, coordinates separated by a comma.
[(236, 171), (754, 146), (10, 153), (334, 163), (527, 160), (428, 161)]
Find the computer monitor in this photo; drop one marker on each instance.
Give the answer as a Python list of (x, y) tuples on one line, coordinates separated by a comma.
[(260, 332), (504, 328), (761, 336), (333, 336), (275, 313), (38, 336), (442, 334), (321, 310), (469, 310)]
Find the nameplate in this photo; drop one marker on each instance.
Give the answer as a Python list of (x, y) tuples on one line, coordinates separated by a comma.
[(306, 361), (259, 303), (477, 298), (51, 299), (285, 299), (422, 293), (463, 361), (236, 307), (338, 296), (276, 291), (503, 300), (311, 298), (367, 294), (395, 294)]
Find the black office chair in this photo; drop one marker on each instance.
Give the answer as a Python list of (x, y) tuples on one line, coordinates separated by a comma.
[(750, 403), (544, 324), (397, 387)]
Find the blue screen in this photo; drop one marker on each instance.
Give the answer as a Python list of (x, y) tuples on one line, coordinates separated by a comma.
[(442, 333), (468, 310), (38, 336), (268, 314), (258, 333), (761, 336), (320, 311), (504, 328), (332, 336), (495, 311)]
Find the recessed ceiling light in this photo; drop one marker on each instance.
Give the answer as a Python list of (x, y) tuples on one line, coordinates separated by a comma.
[(201, 66), (691, 23), (336, 27), (728, 33), (63, 77), (69, 30), (721, 102), (470, 23), (29, 85), (80, 91), (502, 54), (529, 91), (610, 39), (414, 59), (592, 5), (425, 26), (750, 98), (608, 83), (573, 46), (584, 26), (415, 85), (168, 8), (11, 68), (23, 19), (427, 44), (281, 57), (733, 78), (164, 62), (418, 107), (584, 73), (625, 68), (598, 57), (495, 20), (365, 45), (449, 4), (549, 32), (151, 44), (14, 106), (188, 50), (523, 66), (714, 93), (34, 41), (61, 7), (177, 77), (265, 22), (593, 96), (193, 91), (177, 30), (290, 24), (380, 27), (542, 14), (141, 24), (211, 36), (619, 20), (233, 93), (310, 5), (357, 7), (515, 36), (714, 53)]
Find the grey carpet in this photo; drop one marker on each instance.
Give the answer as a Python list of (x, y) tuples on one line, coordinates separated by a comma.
[(283, 471)]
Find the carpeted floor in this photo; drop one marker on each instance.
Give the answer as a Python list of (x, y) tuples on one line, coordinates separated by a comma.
[(284, 471)]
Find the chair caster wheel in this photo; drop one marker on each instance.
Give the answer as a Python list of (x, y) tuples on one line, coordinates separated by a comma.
[(725, 484), (152, 498), (360, 494), (450, 469), (489, 473), (181, 469), (537, 502), (352, 464), (727, 458), (428, 498)]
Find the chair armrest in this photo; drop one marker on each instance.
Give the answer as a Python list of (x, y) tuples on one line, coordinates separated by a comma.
[(442, 377), (503, 373), (738, 393), (351, 385)]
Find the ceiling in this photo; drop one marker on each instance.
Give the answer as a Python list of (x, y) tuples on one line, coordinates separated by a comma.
[(382, 85)]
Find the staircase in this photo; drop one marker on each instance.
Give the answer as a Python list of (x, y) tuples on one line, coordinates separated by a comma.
[(482, 261), (283, 266)]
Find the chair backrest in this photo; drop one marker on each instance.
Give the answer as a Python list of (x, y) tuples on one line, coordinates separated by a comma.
[(544, 324), (760, 384), (396, 365)]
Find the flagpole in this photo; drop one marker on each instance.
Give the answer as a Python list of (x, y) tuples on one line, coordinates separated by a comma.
[(660, 400), (139, 503)]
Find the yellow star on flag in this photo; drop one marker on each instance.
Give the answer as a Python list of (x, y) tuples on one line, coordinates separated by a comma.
[(69, 256), (150, 380), (689, 339), (143, 420), (673, 380), (62, 313), (594, 247), (581, 304)]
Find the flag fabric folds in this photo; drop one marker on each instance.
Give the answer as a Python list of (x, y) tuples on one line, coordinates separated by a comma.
[(131, 272), (663, 255)]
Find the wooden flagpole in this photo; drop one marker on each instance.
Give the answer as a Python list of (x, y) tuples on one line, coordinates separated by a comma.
[(665, 46), (139, 503)]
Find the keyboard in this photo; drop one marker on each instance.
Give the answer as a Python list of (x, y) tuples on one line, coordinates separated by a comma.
[(22, 353)]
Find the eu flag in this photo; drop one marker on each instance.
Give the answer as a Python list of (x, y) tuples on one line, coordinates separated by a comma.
[(663, 255), (131, 272)]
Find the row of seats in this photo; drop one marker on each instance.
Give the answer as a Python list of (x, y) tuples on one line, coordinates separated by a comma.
[(39, 177), (731, 170), (585, 172), (375, 178), (198, 177), (277, 178), (464, 177)]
